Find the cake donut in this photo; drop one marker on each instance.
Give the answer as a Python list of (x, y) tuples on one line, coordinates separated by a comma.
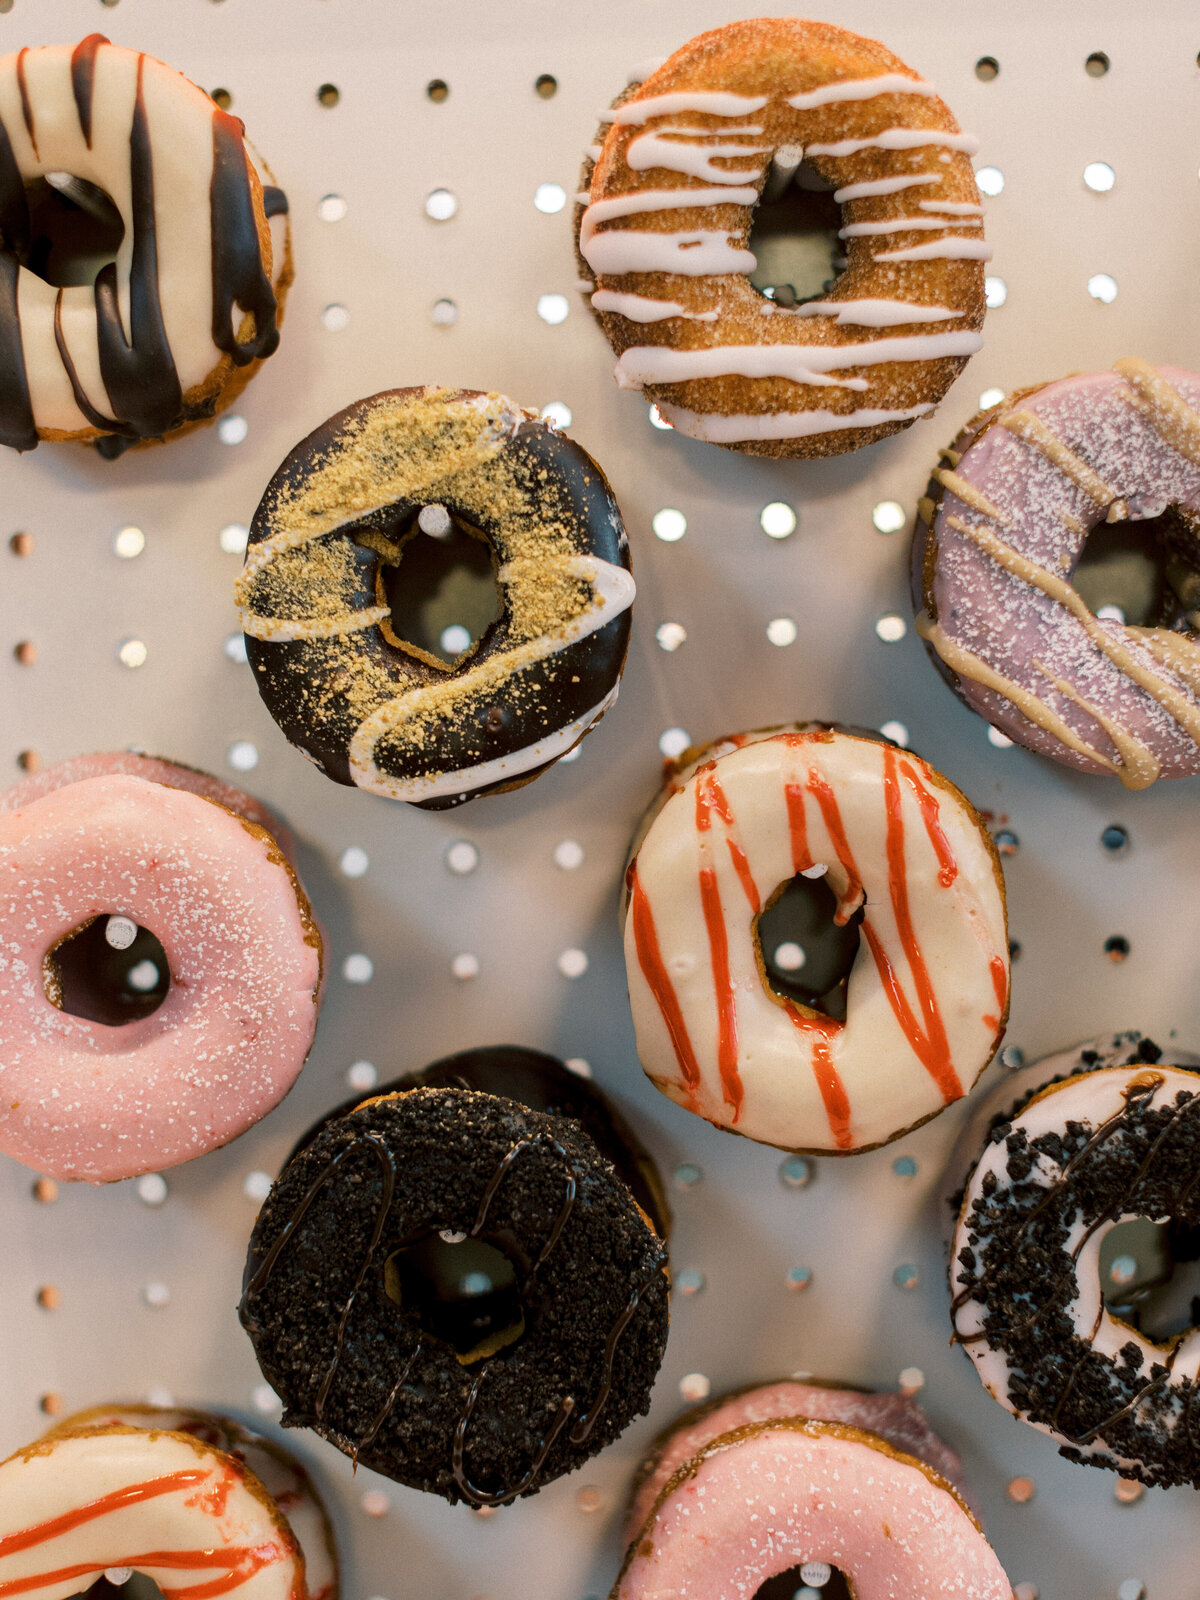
[(1000, 534), (772, 1493), (175, 1504), (173, 327), (688, 155), (198, 865), (370, 708), (898, 845), (481, 1377), (1066, 1166)]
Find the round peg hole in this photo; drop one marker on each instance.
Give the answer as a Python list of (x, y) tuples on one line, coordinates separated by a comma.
[(1115, 839), (235, 648), (29, 761), (568, 854), (156, 1295), (999, 740), (557, 414), (264, 1399), (990, 398), (437, 90), (159, 1395), (798, 1278), (572, 755), (549, 198), (375, 1504), (328, 95), (896, 732), (49, 1298), (911, 1380), (1006, 842), (1025, 1591), (462, 857), (232, 429), (990, 181), (242, 755), (553, 308), (44, 1191), (1127, 1491), (657, 420), (673, 742), (906, 1276), (670, 635), (1021, 1490), (796, 1172), (358, 968), (120, 932), (889, 516), (1116, 948), (443, 313), (689, 1282), (1099, 176), (694, 1386), (465, 966), (904, 1167), (440, 204), (687, 1175), (1102, 286), (21, 544), (128, 542), (572, 963), (51, 1404), (589, 1499), (777, 520), (986, 68), (669, 525), (455, 639), (221, 98), (362, 1076), (132, 653), (788, 957), (995, 292), (1012, 1057), (335, 318), (436, 521), (331, 207), (891, 629), (256, 1186), (546, 86), (354, 861), (580, 1067), (1096, 65), (152, 1189), (232, 538), (782, 631)]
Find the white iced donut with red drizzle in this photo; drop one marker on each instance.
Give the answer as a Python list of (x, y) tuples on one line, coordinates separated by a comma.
[(191, 1518), (766, 1497), (278, 1471), (82, 1099), (927, 995), (170, 326), (1000, 535), (723, 125)]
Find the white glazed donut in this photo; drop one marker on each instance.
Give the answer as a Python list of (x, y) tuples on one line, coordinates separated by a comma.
[(927, 995), (171, 329), (189, 1517), (1080, 1157)]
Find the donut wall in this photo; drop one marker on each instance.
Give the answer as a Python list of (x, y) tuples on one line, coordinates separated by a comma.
[(430, 156)]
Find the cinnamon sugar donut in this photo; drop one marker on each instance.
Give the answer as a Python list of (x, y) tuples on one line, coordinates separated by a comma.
[(1000, 534), (173, 328), (670, 207)]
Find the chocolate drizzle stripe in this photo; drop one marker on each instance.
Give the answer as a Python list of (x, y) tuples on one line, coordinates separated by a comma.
[(583, 1428), (96, 418), (26, 104), (83, 80), (385, 1410), (238, 276), (480, 1497), (497, 1178)]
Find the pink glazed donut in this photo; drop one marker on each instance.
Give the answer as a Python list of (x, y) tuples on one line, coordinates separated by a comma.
[(197, 864), (779, 1491), (1000, 534)]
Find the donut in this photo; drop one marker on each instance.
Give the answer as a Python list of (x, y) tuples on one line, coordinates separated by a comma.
[(87, 1500), (368, 707), (277, 1471), (900, 847), (1070, 1163), (173, 327), (480, 1379), (688, 155), (84, 1096), (999, 537), (777, 1495)]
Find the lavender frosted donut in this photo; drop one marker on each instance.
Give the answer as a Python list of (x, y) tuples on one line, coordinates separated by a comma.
[(999, 537), (86, 1097)]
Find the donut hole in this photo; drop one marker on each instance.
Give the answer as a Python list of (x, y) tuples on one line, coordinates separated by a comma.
[(440, 587), (89, 976), (803, 953), (809, 1580), (1139, 571), (75, 229), (1150, 1276), (794, 235), (461, 1291)]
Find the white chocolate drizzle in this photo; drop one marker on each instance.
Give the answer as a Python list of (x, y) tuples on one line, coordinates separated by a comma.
[(709, 103), (725, 428), (640, 307), (806, 364), (866, 230), (859, 89), (875, 313), (956, 249), (898, 139), (871, 188)]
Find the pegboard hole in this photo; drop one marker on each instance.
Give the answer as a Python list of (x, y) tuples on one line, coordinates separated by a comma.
[(1006, 842), (1097, 64), (990, 398), (557, 414), (889, 516), (896, 732), (987, 68), (995, 293), (221, 98), (128, 543), (670, 635), (132, 653), (805, 955), (549, 198), (672, 742), (814, 1580), (443, 313), (331, 207), (1099, 176), (328, 95), (440, 204), (669, 525), (546, 86), (990, 181), (21, 544), (777, 520), (437, 90), (1116, 948), (88, 976), (75, 229), (29, 761), (232, 429), (1115, 839), (657, 420), (461, 1291), (335, 318), (782, 631), (441, 587), (553, 308), (1102, 286), (891, 629)]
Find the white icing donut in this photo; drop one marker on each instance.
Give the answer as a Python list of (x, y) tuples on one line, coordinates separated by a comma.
[(928, 992), (192, 1519), (159, 337)]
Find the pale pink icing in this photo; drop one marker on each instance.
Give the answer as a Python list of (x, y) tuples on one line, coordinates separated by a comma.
[(893, 1417), (84, 1101), (1010, 624), (756, 1504)]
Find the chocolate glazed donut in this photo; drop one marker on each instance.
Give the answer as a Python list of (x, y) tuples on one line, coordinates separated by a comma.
[(373, 710), (482, 1412)]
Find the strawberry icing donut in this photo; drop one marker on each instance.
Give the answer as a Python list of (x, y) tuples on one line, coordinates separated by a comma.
[(691, 152), (193, 1519), (927, 995), (155, 844), (1000, 535), (785, 1492)]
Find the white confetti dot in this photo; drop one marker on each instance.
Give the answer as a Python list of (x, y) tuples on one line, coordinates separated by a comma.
[(443, 313), (132, 653), (896, 732), (120, 932), (334, 318), (235, 648), (673, 742), (577, 1065), (568, 854), (256, 1186), (354, 861), (152, 1189), (264, 1399), (129, 542), (156, 1295), (670, 635), (465, 966), (242, 756), (434, 520), (553, 308), (990, 398), (889, 516), (782, 630), (995, 292), (777, 520), (694, 1386), (657, 420), (363, 1075), (331, 208), (572, 963), (1102, 286), (789, 957), (232, 538), (462, 857), (669, 525), (557, 414), (1000, 740), (358, 968), (1098, 175), (375, 1504), (990, 181), (455, 639), (440, 205), (891, 629), (232, 429), (143, 977), (549, 198)]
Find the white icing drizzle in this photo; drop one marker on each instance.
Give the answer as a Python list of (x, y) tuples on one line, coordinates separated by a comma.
[(898, 139), (874, 313), (645, 200), (876, 186), (956, 249), (955, 208), (697, 254), (866, 230), (720, 428), (658, 148), (704, 102), (641, 308), (312, 627), (859, 89), (807, 364), (593, 151)]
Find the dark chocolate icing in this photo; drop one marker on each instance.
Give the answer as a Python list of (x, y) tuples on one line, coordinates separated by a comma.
[(237, 269), (83, 80), (26, 107)]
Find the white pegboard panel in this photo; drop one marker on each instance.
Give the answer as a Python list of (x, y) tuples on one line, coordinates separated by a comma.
[(380, 257)]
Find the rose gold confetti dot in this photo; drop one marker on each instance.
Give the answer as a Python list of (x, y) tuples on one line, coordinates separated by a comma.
[(51, 1404), (375, 1504), (484, 1511), (29, 761), (45, 1191), (26, 652), (49, 1298), (1127, 1492), (1021, 1490), (589, 1499)]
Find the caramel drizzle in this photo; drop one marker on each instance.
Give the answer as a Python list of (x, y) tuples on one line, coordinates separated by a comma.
[(1168, 413), (1030, 427)]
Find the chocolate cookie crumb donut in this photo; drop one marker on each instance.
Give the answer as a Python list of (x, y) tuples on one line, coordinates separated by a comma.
[(342, 1303), (1085, 1153), (368, 707)]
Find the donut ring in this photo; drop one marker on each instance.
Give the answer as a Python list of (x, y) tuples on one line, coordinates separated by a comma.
[(928, 992), (76, 1504), (999, 536), (669, 214), (174, 327), (358, 1365), (1076, 1159), (372, 710), (82, 1100)]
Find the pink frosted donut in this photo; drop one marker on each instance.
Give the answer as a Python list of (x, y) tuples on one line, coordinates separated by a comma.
[(999, 537), (894, 1417), (83, 1100), (769, 1496)]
